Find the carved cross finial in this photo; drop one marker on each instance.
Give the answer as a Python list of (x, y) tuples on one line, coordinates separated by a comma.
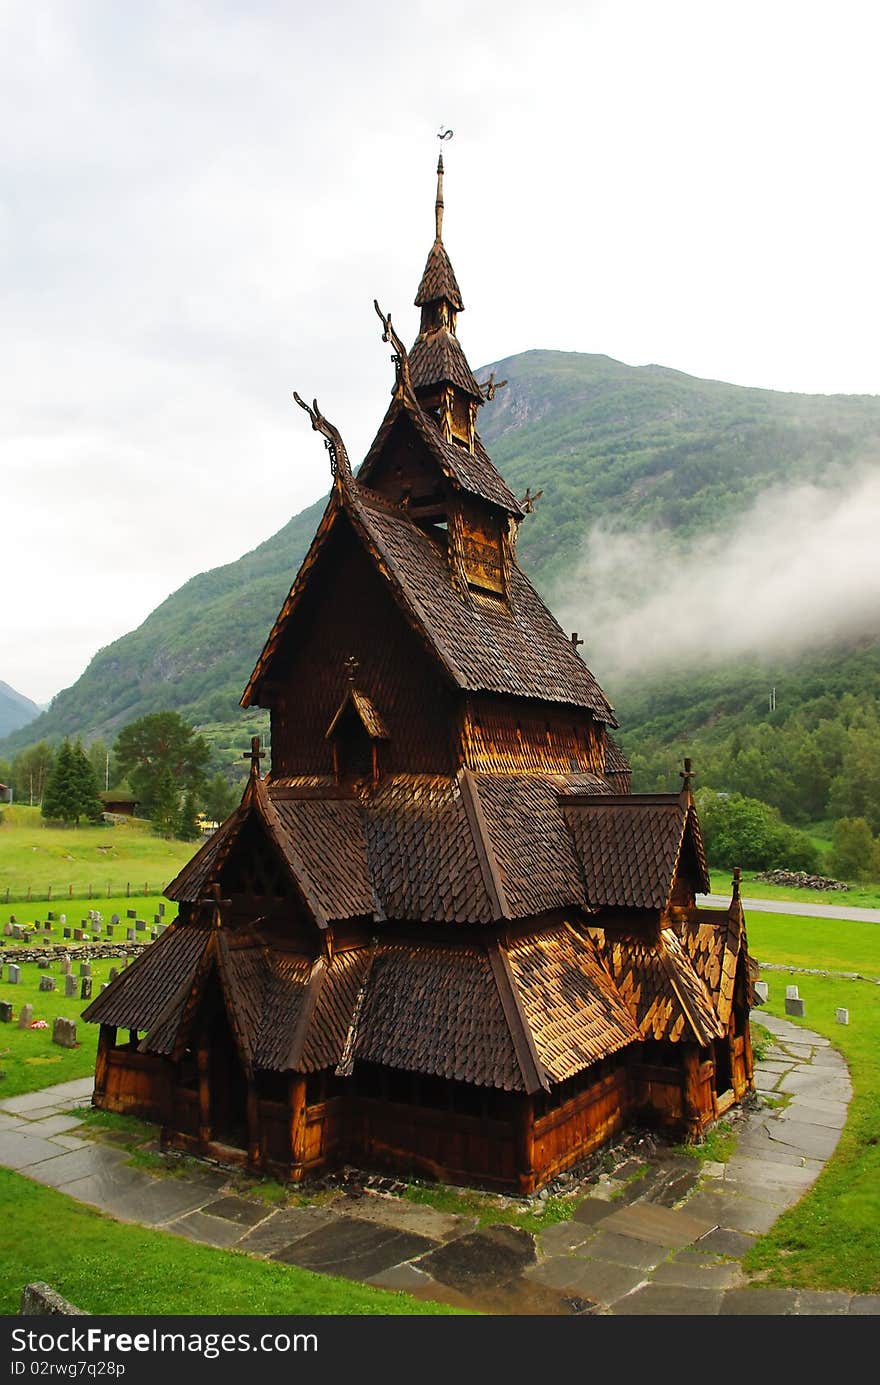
[(220, 905), (340, 466), (686, 775), (736, 883), (400, 358), (255, 755), (352, 665), (575, 641), (529, 501), (488, 387)]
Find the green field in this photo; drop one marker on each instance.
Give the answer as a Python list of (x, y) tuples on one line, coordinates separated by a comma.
[(71, 861), (28, 1057), (830, 944)]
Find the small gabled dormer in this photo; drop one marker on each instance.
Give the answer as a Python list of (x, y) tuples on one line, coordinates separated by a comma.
[(356, 735)]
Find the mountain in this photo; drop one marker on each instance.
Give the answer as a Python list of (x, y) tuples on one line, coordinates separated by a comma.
[(15, 709), (630, 446)]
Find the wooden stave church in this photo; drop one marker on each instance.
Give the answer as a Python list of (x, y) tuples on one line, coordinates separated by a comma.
[(441, 936)]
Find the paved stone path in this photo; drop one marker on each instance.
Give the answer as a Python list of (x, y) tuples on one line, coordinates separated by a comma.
[(659, 1237)]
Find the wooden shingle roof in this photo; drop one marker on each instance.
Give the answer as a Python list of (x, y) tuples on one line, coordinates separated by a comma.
[(660, 987), (437, 358), (438, 280), (630, 845), (712, 941)]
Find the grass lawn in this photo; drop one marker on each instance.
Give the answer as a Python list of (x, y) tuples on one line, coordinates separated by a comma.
[(832, 944), (28, 1057), (106, 858), (75, 910), (831, 1238), (866, 896), (108, 1267)]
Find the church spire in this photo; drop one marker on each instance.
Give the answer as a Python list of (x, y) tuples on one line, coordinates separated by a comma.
[(441, 377), (438, 205)]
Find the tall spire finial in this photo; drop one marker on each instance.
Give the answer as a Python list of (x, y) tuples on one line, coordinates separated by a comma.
[(438, 205)]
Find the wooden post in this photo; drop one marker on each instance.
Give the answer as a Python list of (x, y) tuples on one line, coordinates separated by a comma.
[(691, 1090), (253, 1124), (297, 1125), (204, 1066), (525, 1145), (106, 1041)]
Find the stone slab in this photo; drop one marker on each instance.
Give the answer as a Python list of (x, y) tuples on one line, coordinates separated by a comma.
[(864, 1305), (733, 1212), (55, 1125), (353, 1248), (21, 1151), (659, 1225), (815, 1303), (135, 1197), (211, 1231), (759, 1303), (238, 1209), (565, 1236), (815, 1114), (598, 1280), (685, 1276), (409, 1216), (70, 1165), (624, 1250), (591, 1210), (668, 1300), (284, 1227), (493, 1255), (406, 1277), (813, 1140)]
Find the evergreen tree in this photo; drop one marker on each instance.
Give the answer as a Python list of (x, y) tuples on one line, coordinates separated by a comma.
[(158, 745), (219, 798), (60, 796), (186, 826), (166, 804), (88, 803)]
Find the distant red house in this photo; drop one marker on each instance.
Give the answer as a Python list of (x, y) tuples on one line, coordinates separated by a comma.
[(120, 801)]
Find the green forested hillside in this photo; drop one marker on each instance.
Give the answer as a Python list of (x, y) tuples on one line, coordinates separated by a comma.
[(605, 441), (15, 709)]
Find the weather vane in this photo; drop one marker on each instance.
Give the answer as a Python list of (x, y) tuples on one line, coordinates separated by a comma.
[(444, 133)]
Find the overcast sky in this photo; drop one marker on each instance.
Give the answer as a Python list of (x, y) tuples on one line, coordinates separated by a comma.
[(199, 202)]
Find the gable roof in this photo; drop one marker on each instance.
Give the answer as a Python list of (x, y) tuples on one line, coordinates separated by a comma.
[(483, 644), (660, 987), (712, 942), (474, 472), (365, 710), (630, 846)]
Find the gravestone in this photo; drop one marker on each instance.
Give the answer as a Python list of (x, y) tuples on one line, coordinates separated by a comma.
[(842, 1016), (67, 932), (85, 968), (795, 1007), (129, 935), (113, 973), (104, 985), (26, 936), (5, 1011), (47, 983), (62, 918), (50, 916), (70, 987), (64, 1033), (154, 933), (7, 929), (65, 964), (114, 919), (78, 935), (85, 988), (109, 932), (14, 974), (140, 925), (157, 918), (131, 913), (16, 930), (792, 993), (762, 992), (161, 908), (25, 1016)]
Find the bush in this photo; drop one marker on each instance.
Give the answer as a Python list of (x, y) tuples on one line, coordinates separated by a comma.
[(854, 851), (745, 832)]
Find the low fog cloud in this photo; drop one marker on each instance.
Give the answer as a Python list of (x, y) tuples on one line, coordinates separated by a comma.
[(800, 568)]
